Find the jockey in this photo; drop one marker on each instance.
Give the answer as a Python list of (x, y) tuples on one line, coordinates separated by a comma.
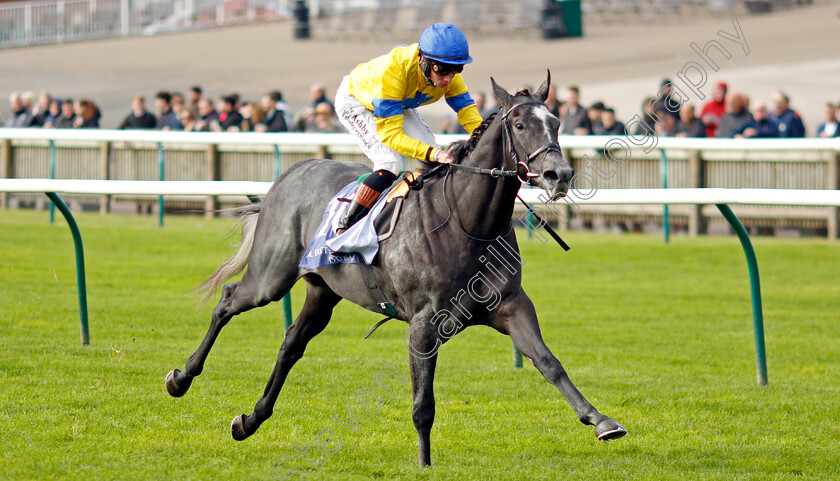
[(377, 103)]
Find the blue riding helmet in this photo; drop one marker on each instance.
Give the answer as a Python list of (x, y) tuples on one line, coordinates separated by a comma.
[(444, 43)]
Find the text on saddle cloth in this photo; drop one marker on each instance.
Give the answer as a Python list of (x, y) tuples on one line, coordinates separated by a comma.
[(359, 241)]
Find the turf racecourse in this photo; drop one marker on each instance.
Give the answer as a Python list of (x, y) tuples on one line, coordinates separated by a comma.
[(660, 337)]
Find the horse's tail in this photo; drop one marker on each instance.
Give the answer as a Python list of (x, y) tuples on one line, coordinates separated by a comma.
[(248, 220)]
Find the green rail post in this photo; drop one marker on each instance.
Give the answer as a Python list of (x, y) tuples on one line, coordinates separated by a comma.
[(80, 265), (530, 224), (276, 161), (52, 176), (755, 292), (287, 310), (666, 221), (162, 176)]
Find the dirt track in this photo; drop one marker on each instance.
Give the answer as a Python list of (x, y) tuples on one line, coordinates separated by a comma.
[(793, 50)]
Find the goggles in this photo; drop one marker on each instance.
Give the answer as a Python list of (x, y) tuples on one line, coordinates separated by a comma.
[(444, 69)]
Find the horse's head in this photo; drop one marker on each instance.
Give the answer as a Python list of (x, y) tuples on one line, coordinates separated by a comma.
[(530, 132)]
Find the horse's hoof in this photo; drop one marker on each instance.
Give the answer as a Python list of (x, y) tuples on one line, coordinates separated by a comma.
[(172, 386), (609, 429), (237, 428)]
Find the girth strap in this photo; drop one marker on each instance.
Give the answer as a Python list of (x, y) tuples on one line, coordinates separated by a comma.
[(375, 291)]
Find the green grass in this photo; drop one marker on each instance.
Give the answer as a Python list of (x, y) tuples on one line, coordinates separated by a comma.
[(657, 336)]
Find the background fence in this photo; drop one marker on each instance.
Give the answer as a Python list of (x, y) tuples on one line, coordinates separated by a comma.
[(673, 163), (56, 21)]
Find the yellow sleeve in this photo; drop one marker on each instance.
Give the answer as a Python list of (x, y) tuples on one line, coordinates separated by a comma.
[(388, 97), (390, 131), (460, 101), (470, 118)]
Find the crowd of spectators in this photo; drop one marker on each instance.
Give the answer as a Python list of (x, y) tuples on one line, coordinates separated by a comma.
[(51, 113), (174, 111), (725, 115)]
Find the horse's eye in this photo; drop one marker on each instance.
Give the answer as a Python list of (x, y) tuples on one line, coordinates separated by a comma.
[(519, 126)]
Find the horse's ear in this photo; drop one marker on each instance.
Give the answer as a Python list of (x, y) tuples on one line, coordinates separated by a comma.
[(542, 92), (501, 94)]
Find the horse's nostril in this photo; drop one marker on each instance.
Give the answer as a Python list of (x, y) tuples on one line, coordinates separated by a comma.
[(566, 175), (551, 176)]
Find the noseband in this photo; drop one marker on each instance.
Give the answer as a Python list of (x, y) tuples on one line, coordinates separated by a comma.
[(521, 165)]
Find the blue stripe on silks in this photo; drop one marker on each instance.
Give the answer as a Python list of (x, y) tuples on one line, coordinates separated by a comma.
[(458, 102), (413, 102), (386, 108)]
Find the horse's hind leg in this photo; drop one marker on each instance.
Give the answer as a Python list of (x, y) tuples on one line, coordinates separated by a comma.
[(519, 319), (254, 290), (313, 318)]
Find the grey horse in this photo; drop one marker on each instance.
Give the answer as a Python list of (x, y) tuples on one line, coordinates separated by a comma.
[(452, 261)]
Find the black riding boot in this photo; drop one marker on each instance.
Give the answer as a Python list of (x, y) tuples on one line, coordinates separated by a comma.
[(366, 196)]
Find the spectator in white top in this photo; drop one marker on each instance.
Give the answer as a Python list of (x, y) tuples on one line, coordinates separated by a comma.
[(829, 128)]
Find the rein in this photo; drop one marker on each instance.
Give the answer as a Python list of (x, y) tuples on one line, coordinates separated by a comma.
[(502, 172)]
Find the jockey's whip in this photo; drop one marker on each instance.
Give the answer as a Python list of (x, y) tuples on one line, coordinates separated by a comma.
[(550, 230)]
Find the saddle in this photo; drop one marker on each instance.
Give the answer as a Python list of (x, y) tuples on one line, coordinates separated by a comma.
[(387, 219)]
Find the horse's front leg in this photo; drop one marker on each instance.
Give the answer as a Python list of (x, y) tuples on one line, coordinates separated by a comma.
[(423, 341), (518, 318)]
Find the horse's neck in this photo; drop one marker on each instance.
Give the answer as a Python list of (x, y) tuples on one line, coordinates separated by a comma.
[(484, 204)]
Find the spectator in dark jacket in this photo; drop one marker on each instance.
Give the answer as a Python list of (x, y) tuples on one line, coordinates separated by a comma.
[(41, 110), (207, 116), (735, 117), (53, 114), (648, 122), (760, 126), (689, 125), (318, 95), (608, 125), (595, 111), (68, 115), (275, 119), (139, 118), (195, 95), (789, 122), (21, 117), (167, 117), (230, 120), (668, 126), (575, 118), (664, 102), (178, 107)]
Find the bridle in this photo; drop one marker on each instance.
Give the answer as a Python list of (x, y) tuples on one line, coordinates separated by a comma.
[(510, 140), (496, 172)]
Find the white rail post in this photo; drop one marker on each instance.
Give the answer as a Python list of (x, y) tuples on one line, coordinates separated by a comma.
[(125, 17), (214, 172), (105, 174), (27, 23), (833, 224), (7, 170), (697, 179), (61, 21)]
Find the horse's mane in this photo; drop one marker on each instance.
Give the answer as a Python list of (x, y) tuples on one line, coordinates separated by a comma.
[(463, 148)]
